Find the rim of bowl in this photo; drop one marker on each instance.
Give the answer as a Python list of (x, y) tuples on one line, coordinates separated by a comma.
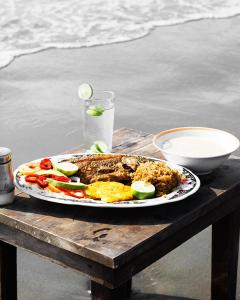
[(165, 132)]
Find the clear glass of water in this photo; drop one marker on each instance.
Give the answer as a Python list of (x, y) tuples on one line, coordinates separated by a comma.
[(98, 121)]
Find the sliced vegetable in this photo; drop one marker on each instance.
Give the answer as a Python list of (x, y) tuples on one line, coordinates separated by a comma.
[(85, 91), (33, 165), (46, 164), (142, 190), (53, 188), (34, 178), (31, 178), (26, 169), (66, 168), (50, 172), (67, 185), (42, 181), (60, 178), (76, 194)]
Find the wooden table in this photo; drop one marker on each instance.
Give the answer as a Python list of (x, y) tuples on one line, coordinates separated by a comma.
[(111, 245)]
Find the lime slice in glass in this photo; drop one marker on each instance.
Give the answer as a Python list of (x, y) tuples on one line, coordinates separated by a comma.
[(95, 111), (143, 190), (85, 91), (99, 147), (99, 108)]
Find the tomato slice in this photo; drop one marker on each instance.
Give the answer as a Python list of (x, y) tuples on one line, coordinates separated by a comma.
[(31, 178), (46, 164)]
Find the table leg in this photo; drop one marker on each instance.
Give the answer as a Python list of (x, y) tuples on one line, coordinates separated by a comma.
[(8, 271), (225, 243), (100, 292)]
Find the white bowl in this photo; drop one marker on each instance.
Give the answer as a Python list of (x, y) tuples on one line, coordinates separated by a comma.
[(200, 149)]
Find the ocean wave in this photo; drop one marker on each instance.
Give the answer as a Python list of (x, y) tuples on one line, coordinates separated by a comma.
[(29, 26)]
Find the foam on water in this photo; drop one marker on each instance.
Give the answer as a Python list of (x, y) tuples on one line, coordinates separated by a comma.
[(29, 26)]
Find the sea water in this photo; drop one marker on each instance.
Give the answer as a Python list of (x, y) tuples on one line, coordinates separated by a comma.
[(28, 26)]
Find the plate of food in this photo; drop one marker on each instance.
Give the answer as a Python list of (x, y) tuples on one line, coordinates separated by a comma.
[(106, 180)]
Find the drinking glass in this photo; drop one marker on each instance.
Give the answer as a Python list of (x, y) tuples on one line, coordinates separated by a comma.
[(98, 121)]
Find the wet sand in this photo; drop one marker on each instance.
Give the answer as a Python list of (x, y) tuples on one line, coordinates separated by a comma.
[(183, 75)]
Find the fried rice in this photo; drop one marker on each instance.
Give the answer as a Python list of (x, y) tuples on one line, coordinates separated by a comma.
[(160, 175)]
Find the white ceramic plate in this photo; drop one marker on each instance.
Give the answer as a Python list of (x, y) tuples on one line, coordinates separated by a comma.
[(183, 190)]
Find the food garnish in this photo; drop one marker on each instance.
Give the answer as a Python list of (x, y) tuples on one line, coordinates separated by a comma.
[(50, 172), (99, 147), (42, 180), (143, 190), (66, 168), (31, 178), (95, 110), (38, 179), (53, 188), (76, 193), (29, 168), (85, 91), (67, 185), (46, 164)]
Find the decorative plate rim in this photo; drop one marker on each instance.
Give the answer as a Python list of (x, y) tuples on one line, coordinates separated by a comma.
[(180, 193)]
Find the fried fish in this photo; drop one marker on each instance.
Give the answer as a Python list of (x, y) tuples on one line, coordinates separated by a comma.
[(112, 167)]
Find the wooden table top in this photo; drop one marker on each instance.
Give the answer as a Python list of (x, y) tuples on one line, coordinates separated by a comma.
[(113, 237)]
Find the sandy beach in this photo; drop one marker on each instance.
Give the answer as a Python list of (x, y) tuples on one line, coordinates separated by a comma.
[(182, 75)]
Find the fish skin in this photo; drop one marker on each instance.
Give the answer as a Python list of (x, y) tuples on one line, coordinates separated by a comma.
[(107, 167)]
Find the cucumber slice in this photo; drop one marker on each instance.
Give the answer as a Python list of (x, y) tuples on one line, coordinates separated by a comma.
[(143, 190), (85, 91), (67, 185), (66, 168)]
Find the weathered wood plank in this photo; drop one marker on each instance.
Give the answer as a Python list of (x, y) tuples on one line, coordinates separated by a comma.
[(225, 244), (123, 136), (8, 271), (124, 139), (95, 271)]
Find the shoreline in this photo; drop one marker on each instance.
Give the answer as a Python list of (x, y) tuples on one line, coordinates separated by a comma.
[(166, 79), (151, 30)]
